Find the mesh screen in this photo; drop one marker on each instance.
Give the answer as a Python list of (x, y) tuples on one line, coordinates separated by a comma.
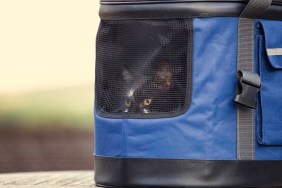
[(141, 67)]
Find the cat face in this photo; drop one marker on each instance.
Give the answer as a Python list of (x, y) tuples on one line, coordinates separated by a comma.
[(140, 94), (163, 76), (132, 85), (157, 89)]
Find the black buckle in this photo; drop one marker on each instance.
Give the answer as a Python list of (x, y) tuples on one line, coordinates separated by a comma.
[(249, 85)]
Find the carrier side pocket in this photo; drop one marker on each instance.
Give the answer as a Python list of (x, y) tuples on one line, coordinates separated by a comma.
[(270, 70)]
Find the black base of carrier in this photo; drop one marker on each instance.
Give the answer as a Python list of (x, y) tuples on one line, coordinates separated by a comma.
[(138, 172)]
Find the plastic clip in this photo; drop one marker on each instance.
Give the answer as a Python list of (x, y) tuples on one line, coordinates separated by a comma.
[(249, 85)]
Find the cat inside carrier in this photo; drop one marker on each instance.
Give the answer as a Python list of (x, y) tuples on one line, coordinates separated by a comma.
[(143, 74)]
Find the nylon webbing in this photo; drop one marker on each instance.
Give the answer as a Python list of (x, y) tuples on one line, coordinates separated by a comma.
[(245, 58)]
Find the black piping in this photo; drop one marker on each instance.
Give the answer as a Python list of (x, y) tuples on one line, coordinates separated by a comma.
[(275, 2), (181, 9)]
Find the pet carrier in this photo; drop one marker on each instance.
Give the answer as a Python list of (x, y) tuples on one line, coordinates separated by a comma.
[(189, 93)]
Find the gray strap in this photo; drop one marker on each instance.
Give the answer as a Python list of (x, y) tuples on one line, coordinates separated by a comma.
[(245, 116), (245, 58), (255, 8)]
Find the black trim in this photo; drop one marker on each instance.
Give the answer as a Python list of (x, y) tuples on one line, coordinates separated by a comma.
[(181, 9), (175, 1), (129, 172)]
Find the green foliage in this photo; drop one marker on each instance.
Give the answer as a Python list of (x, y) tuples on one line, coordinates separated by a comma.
[(53, 108)]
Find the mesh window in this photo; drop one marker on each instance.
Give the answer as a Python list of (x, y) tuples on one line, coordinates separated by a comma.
[(143, 68)]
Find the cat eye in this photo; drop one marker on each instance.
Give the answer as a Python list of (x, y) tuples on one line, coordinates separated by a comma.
[(147, 102), (127, 103)]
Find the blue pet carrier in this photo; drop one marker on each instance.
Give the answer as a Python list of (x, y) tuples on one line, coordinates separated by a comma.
[(189, 93)]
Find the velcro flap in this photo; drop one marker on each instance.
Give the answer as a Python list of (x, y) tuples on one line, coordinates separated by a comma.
[(273, 41)]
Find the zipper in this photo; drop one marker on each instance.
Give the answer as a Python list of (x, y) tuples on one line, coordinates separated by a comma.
[(109, 2)]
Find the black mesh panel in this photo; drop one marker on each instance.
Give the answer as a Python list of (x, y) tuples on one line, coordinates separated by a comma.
[(141, 68)]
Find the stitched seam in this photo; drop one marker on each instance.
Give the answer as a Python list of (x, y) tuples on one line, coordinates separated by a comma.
[(99, 158)]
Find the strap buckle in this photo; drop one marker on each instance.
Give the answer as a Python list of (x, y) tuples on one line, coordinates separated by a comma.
[(249, 85)]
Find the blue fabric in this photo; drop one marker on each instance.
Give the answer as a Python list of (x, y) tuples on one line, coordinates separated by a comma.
[(208, 129), (269, 112), (109, 139)]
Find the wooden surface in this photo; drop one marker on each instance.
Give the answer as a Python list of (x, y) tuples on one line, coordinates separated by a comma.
[(40, 149), (69, 179)]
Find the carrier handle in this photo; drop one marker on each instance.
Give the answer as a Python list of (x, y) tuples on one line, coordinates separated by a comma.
[(255, 8)]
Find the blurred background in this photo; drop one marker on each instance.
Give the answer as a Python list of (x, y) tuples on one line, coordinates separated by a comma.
[(47, 57)]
